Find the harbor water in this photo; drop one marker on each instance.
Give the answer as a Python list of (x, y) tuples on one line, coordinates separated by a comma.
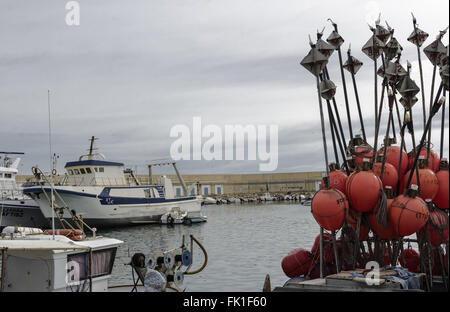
[(244, 242)]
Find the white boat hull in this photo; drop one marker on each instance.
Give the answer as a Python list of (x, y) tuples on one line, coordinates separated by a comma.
[(101, 211)]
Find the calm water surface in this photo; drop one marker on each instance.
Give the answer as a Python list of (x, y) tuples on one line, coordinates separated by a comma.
[(244, 243)]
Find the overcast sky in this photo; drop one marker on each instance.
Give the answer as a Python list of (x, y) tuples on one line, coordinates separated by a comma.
[(133, 69)]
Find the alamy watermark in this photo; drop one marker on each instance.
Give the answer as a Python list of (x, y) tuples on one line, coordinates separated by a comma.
[(73, 14), (259, 141)]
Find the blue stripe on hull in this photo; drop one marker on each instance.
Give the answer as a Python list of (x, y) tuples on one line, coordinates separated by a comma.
[(113, 200)]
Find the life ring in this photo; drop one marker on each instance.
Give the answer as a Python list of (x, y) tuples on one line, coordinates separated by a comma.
[(75, 235)]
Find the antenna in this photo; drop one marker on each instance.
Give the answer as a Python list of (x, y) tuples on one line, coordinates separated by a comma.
[(52, 164)]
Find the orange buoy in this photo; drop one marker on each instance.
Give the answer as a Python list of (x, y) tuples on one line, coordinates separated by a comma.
[(393, 157), (408, 213), (379, 229), (434, 159), (429, 183), (328, 208), (362, 152), (297, 262), (363, 189), (438, 227), (412, 260), (337, 179), (441, 199), (75, 235), (390, 175), (328, 250), (351, 217)]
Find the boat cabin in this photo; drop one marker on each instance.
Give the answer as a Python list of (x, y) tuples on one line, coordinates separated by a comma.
[(92, 172)]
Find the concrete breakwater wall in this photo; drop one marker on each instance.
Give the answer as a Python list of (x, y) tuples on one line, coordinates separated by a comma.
[(233, 184)]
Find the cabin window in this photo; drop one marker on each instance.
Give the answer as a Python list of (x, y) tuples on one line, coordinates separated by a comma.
[(8, 175), (102, 264), (76, 171), (95, 169), (88, 170), (70, 171), (82, 171), (101, 169), (178, 191)]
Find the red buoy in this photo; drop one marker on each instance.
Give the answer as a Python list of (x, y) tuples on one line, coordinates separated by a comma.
[(412, 260), (434, 159), (337, 179), (390, 175), (297, 262), (438, 227), (441, 199), (361, 152), (393, 157), (363, 190), (328, 208), (328, 250), (379, 229), (351, 217), (408, 213), (429, 183)]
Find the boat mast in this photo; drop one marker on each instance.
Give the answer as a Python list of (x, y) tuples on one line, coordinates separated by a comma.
[(51, 164)]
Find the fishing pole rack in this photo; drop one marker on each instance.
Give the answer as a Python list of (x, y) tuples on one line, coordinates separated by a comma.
[(396, 80), (163, 270)]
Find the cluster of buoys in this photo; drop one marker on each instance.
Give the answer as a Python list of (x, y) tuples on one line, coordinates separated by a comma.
[(365, 200)]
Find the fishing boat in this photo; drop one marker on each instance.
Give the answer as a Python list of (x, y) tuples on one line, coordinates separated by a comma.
[(16, 208), (106, 194), (372, 205)]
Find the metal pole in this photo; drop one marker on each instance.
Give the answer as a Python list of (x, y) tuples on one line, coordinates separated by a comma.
[(442, 128), (323, 129), (424, 135), (150, 177), (344, 86), (361, 121), (421, 75), (431, 105), (51, 165), (321, 252), (180, 178)]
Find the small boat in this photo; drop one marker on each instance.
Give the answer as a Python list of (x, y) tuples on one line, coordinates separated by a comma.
[(209, 201), (174, 216), (267, 197)]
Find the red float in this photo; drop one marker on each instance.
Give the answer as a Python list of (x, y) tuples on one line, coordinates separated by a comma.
[(438, 227), (393, 157), (429, 183), (434, 159), (297, 262), (328, 250), (412, 260), (361, 152), (380, 230), (363, 190), (441, 199), (351, 217), (338, 179), (408, 213), (390, 175), (328, 208)]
